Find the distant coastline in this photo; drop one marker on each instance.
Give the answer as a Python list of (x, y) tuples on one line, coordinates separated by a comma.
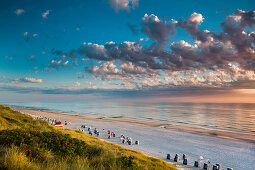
[(189, 129)]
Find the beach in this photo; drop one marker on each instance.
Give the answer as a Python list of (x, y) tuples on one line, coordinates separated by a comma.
[(157, 140)]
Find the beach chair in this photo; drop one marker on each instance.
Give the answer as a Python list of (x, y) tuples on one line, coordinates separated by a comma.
[(57, 123), (176, 158), (185, 161), (183, 156), (218, 166), (205, 166), (196, 164)]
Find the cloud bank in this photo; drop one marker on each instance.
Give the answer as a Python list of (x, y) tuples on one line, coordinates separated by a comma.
[(27, 80), (213, 59)]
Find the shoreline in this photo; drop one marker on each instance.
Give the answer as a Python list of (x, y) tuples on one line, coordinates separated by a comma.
[(181, 128), (157, 142), (33, 143)]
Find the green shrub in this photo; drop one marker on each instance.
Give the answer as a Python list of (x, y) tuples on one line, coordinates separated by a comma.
[(14, 158), (34, 142)]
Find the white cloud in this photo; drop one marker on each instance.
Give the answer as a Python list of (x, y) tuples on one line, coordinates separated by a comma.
[(19, 11), (123, 4), (90, 85), (45, 14), (27, 80), (183, 44), (65, 64), (157, 29), (29, 37), (77, 84), (32, 57), (197, 18)]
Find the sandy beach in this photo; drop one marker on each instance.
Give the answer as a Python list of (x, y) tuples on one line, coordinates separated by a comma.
[(233, 150)]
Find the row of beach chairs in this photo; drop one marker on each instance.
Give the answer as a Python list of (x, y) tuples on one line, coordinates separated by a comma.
[(196, 163), (127, 140)]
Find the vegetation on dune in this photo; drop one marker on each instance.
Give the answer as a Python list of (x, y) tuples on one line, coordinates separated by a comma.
[(27, 143)]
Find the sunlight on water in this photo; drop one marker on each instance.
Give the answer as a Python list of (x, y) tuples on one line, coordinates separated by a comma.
[(230, 117)]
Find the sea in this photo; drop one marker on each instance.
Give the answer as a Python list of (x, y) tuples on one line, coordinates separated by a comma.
[(233, 117)]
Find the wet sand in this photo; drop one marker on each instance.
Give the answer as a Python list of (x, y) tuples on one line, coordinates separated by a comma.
[(235, 150)]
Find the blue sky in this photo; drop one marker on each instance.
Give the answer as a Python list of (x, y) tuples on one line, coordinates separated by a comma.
[(32, 30)]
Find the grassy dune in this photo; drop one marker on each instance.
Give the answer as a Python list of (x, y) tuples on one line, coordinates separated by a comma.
[(26, 143)]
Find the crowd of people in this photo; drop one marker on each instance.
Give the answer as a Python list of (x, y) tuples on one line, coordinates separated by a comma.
[(54, 122), (110, 134)]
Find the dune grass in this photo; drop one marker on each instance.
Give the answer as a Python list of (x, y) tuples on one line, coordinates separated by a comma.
[(27, 143)]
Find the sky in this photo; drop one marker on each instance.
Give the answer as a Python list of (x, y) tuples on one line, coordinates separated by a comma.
[(131, 50)]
